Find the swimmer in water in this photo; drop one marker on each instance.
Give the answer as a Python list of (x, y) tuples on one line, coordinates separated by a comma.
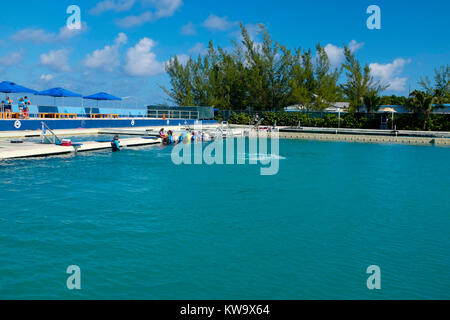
[(115, 144)]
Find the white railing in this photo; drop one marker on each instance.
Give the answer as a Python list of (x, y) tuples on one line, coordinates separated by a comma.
[(173, 114), (86, 114), (45, 139)]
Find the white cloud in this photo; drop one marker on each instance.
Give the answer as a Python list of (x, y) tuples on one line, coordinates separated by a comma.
[(355, 46), (106, 59), (389, 74), (12, 58), (189, 29), (217, 23), (336, 54), (183, 58), (164, 8), (47, 77), (398, 84), (39, 36), (140, 61), (199, 48), (112, 5), (56, 60), (35, 36), (133, 21), (67, 34)]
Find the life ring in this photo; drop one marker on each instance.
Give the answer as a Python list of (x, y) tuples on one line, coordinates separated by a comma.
[(17, 124), (132, 123)]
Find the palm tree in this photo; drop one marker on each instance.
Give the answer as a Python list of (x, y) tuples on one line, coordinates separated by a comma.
[(425, 103), (372, 101)]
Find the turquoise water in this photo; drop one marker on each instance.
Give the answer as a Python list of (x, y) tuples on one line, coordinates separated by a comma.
[(141, 227)]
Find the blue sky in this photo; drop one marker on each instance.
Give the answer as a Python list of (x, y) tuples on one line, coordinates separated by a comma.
[(124, 44)]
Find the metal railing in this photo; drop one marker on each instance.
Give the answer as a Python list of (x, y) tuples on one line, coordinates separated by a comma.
[(173, 114), (45, 139), (151, 114)]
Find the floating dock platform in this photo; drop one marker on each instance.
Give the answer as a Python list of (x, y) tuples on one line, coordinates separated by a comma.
[(10, 150)]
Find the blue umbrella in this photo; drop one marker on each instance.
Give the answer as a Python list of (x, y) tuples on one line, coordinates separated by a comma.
[(11, 87), (59, 93), (102, 96)]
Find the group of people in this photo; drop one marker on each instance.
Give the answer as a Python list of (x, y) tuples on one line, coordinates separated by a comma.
[(170, 137), (24, 107)]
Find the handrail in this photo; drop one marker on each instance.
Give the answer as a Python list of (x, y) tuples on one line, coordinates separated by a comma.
[(44, 134)]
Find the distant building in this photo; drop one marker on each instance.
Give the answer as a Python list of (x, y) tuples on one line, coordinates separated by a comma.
[(338, 107), (334, 107), (296, 108)]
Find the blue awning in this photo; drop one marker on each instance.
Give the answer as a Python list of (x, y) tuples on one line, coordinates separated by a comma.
[(11, 87), (102, 96), (59, 92)]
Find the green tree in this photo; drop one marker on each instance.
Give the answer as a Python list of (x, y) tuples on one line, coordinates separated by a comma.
[(424, 103), (301, 80), (441, 87), (359, 81), (393, 100), (372, 101), (180, 81), (325, 85), (267, 71)]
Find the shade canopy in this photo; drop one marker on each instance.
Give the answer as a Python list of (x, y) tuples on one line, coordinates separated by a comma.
[(59, 92), (102, 96), (11, 87)]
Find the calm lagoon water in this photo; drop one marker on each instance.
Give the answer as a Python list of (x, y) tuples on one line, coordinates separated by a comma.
[(141, 227)]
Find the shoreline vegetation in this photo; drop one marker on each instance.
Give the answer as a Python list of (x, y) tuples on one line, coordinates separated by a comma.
[(266, 76), (402, 121)]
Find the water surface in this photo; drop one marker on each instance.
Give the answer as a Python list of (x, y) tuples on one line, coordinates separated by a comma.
[(141, 227)]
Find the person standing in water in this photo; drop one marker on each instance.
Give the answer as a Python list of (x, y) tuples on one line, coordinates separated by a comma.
[(115, 144)]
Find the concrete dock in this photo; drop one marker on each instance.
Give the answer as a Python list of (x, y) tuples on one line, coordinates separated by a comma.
[(366, 138), (10, 150), (437, 138)]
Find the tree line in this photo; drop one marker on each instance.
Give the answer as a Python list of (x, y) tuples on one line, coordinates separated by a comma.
[(269, 76)]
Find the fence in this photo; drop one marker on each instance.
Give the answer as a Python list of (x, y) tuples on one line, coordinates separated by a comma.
[(44, 112), (173, 114), (400, 121)]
